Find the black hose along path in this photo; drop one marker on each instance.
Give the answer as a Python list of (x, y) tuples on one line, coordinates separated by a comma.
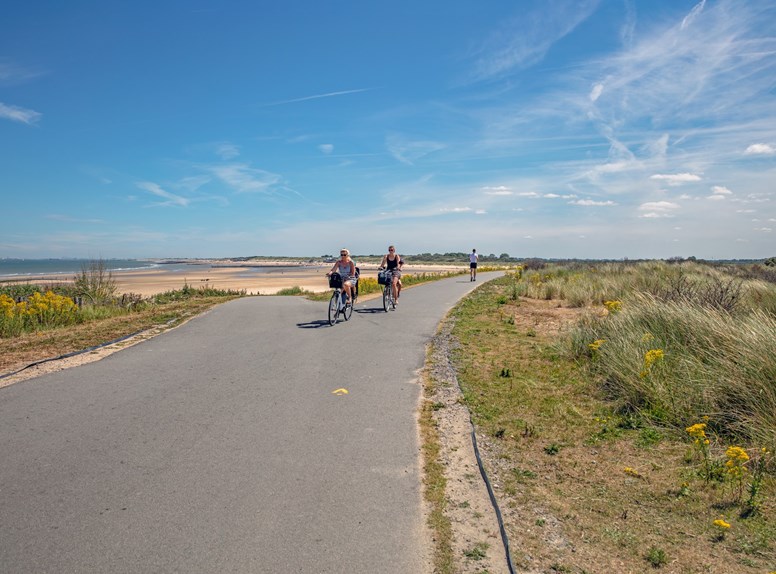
[(493, 501), (444, 334)]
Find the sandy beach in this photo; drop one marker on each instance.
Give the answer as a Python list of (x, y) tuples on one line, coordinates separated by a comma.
[(265, 279)]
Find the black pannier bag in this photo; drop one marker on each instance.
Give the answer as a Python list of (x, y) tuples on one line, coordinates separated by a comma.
[(382, 277)]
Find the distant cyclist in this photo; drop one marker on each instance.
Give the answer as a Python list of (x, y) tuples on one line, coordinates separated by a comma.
[(392, 262), (473, 258), (347, 270)]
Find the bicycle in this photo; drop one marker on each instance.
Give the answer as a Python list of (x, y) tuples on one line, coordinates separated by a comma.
[(338, 304), (386, 278)]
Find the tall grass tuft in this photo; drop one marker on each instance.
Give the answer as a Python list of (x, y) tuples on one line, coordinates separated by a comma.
[(96, 282), (712, 363)]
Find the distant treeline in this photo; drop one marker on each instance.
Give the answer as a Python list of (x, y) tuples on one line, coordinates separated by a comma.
[(505, 258)]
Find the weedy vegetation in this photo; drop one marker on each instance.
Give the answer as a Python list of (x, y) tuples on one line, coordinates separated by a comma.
[(628, 413), (46, 321)]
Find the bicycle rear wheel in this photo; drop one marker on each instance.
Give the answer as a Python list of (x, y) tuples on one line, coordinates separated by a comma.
[(334, 307), (348, 311)]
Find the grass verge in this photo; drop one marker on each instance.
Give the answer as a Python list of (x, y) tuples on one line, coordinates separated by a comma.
[(434, 485), (27, 348), (584, 485)]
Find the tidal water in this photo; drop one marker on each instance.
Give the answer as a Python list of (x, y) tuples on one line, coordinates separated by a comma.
[(17, 267)]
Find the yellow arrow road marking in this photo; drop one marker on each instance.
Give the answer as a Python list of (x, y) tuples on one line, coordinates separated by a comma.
[(339, 392)]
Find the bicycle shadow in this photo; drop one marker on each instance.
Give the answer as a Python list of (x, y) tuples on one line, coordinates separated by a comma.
[(369, 311), (313, 324)]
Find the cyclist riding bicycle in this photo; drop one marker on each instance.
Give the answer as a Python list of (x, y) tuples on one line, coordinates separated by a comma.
[(392, 262), (347, 269)]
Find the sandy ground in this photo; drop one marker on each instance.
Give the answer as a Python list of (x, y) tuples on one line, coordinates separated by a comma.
[(266, 279)]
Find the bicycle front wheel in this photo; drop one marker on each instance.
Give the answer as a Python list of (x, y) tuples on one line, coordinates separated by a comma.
[(386, 297), (333, 307)]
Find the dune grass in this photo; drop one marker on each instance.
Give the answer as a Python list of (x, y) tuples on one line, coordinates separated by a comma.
[(628, 414)]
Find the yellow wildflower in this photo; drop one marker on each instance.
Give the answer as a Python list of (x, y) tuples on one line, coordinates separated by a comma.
[(595, 345), (613, 306), (721, 524), (697, 431), (651, 356), (631, 472), (736, 453), (647, 338), (737, 458)]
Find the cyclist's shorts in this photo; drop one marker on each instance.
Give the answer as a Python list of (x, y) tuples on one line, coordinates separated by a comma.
[(395, 273)]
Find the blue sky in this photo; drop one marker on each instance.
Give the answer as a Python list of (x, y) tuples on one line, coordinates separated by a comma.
[(548, 128)]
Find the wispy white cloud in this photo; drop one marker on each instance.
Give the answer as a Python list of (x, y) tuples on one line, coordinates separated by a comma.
[(192, 183), (525, 39), (326, 148), (409, 151), (156, 189), (760, 149), (596, 92), (18, 114), (659, 206), (592, 203), (319, 96), (12, 73), (71, 219), (227, 151), (676, 178), (245, 179), (659, 209), (697, 9), (498, 190)]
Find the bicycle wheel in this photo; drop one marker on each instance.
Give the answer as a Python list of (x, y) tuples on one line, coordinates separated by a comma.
[(348, 311), (386, 297), (334, 307)]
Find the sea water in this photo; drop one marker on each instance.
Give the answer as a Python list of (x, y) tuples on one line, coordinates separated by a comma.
[(25, 267)]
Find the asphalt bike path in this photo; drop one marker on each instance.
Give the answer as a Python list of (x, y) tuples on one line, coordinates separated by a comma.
[(254, 438)]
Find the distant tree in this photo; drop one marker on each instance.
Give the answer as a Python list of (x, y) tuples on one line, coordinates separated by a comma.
[(771, 262), (504, 256)]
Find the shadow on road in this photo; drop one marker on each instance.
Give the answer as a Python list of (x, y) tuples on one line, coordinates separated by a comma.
[(370, 311), (313, 324)]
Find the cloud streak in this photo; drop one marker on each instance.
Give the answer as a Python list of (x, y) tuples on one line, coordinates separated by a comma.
[(319, 96), (525, 40), (17, 114), (245, 179), (156, 189)]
